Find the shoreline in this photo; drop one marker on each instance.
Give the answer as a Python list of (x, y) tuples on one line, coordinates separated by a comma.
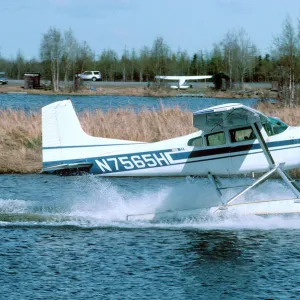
[(161, 92)]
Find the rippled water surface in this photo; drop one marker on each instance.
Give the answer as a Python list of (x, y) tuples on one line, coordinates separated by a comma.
[(68, 238), (35, 102)]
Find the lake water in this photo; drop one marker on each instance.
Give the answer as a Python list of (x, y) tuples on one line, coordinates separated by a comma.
[(36, 102), (68, 238)]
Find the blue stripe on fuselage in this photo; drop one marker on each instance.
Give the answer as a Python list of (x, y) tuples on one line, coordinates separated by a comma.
[(227, 150), (154, 154)]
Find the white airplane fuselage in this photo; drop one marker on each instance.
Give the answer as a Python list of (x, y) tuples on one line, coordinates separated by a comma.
[(174, 157)]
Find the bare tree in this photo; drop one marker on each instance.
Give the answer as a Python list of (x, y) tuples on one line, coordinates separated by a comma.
[(287, 53), (246, 50), (125, 63), (51, 50), (84, 57), (70, 53), (238, 54), (159, 56), (145, 63), (229, 44)]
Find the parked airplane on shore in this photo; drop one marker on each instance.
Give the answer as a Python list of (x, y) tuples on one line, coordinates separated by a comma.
[(234, 139), (182, 80)]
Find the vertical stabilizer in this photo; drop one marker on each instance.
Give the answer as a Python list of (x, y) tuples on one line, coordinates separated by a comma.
[(60, 125), (65, 141)]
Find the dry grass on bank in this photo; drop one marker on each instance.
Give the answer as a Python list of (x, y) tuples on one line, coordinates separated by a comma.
[(21, 142), (142, 91), (288, 115), (146, 126), (99, 91)]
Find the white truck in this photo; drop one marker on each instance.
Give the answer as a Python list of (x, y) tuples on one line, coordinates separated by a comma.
[(91, 75)]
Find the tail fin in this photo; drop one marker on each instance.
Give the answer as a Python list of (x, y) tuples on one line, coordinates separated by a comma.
[(65, 142), (60, 125)]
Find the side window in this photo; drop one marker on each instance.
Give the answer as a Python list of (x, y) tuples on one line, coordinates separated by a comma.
[(242, 134), (216, 139), (96, 73), (196, 142)]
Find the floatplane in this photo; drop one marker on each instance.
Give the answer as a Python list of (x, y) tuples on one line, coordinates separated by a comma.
[(182, 85), (233, 139)]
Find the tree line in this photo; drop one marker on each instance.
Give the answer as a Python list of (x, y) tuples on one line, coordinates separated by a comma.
[(62, 56)]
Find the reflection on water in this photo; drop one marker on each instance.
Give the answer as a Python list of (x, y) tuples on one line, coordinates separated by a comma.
[(215, 245)]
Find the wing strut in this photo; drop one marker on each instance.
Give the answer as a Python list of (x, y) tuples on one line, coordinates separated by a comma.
[(283, 174), (289, 181), (263, 144), (215, 183)]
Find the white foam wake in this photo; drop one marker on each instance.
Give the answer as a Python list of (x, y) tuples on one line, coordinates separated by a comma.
[(106, 202), (14, 206)]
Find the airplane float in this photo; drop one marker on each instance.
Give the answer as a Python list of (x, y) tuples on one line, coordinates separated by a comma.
[(182, 80), (233, 139)]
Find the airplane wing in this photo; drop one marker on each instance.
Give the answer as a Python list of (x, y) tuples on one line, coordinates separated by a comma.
[(183, 77), (197, 77), (168, 77), (226, 115)]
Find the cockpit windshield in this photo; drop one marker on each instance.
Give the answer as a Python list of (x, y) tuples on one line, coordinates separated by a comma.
[(274, 126)]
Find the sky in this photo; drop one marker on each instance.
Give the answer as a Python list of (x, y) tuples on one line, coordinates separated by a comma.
[(191, 25)]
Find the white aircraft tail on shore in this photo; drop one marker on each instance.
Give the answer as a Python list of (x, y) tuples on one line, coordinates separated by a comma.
[(182, 80), (234, 139)]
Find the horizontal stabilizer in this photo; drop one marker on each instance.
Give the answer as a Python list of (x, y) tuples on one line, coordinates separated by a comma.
[(67, 166)]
